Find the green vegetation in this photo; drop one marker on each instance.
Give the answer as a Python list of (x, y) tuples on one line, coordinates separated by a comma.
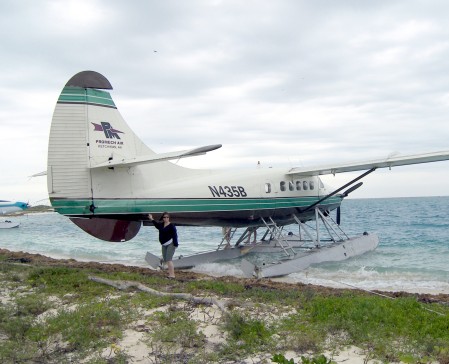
[(320, 359), (246, 335), (55, 314), (383, 323)]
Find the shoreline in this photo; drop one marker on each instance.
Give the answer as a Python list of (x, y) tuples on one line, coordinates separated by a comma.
[(322, 282), (331, 283), (409, 272), (186, 275)]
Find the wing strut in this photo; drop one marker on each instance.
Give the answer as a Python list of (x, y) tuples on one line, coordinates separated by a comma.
[(338, 190)]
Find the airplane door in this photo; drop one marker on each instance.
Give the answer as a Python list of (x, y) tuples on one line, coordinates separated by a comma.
[(320, 187), (270, 193)]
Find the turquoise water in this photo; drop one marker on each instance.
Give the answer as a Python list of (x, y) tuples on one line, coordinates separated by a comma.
[(413, 252)]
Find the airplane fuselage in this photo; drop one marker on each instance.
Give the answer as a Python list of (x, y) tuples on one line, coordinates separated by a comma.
[(8, 207), (202, 197)]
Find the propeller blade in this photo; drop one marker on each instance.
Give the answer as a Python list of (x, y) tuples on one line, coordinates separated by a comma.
[(338, 215), (353, 188)]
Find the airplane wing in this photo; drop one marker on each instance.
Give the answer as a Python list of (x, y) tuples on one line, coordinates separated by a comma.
[(388, 162), (158, 157)]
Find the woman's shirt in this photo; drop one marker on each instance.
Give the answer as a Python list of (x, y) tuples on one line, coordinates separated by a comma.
[(166, 233)]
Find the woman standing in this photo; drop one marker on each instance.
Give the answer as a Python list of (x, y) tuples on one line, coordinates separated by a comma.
[(168, 237)]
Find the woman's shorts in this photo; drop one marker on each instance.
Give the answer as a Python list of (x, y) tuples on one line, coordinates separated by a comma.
[(168, 252)]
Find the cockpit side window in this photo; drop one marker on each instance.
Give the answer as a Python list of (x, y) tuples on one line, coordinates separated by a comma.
[(267, 187)]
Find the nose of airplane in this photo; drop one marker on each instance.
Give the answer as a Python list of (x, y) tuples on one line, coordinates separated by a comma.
[(24, 205)]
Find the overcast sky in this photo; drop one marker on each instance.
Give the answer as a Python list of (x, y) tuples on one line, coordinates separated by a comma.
[(286, 83)]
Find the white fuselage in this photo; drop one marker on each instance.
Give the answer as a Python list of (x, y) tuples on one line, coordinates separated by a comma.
[(8, 207)]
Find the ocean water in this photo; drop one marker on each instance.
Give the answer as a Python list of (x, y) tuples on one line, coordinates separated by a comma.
[(413, 253)]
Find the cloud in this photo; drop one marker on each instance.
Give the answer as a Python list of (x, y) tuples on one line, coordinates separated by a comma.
[(278, 82)]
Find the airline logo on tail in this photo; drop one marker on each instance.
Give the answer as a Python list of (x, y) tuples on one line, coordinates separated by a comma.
[(109, 133), (108, 130)]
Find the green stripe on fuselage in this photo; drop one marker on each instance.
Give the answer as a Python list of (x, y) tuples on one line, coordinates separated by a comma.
[(77, 95), (138, 206)]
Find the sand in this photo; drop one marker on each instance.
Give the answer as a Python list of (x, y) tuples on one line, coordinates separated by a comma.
[(135, 341)]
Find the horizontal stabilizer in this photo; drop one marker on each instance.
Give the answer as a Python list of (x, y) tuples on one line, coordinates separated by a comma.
[(388, 162), (108, 229), (40, 174), (157, 157)]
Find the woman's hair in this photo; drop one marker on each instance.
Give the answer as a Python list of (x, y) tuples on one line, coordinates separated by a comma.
[(165, 213)]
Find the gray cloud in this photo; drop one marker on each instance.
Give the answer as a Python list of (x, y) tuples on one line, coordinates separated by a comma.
[(282, 82)]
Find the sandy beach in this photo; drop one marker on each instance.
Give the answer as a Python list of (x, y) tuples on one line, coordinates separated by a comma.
[(134, 342)]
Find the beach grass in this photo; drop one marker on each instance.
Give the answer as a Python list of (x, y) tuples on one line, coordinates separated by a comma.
[(54, 313)]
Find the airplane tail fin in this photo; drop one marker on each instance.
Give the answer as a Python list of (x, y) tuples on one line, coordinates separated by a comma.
[(98, 169), (88, 130)]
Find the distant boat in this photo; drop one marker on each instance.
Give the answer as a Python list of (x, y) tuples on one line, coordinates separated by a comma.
[(9, 207), (8, 224)]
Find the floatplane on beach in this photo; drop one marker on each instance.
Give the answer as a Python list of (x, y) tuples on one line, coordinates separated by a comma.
[(107, 181), (10, 207)]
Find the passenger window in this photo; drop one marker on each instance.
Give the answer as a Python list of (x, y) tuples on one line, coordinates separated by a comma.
[(282, 185), (305, 185), (291, 186), (312, 185), (298, 185), (267, 187)]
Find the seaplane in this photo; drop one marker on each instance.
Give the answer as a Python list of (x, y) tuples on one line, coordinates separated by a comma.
[(103, 177), (10, 207)]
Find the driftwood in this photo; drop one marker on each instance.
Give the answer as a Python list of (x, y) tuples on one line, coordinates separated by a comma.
[(123, 285)]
